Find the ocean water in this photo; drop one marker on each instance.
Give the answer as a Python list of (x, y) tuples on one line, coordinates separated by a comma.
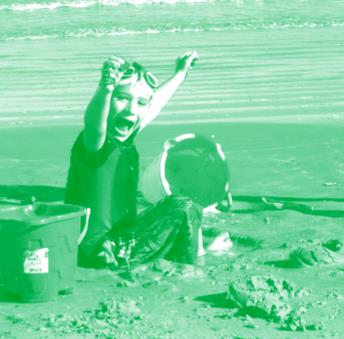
[(45, 19), (273, 60)]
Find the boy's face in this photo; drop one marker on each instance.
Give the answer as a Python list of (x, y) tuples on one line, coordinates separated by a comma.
[(129, 104)]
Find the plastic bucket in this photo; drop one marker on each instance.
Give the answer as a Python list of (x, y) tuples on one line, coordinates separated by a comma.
[(191, 165), (38, 249)]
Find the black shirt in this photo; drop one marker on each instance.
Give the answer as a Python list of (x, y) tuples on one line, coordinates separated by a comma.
[(106, 181)]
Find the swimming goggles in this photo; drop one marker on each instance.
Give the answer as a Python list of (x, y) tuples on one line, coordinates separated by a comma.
[(135, 72)]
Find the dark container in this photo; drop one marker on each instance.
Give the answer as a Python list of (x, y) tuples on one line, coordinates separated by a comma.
[(38, 250)]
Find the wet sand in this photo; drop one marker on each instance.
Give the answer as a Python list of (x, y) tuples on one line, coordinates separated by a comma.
[(272, 99), (302, 162), (282, 75), (296, 160)]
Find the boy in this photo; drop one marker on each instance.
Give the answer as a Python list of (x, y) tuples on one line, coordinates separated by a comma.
[(103, 173)]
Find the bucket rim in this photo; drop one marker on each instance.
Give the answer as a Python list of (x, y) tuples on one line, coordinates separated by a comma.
[(171, 143), (43, 220)]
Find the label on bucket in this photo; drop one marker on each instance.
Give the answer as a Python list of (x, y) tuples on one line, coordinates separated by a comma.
[(36, 261)]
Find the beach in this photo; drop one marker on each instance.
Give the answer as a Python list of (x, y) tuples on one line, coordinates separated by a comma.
[(268, 87)]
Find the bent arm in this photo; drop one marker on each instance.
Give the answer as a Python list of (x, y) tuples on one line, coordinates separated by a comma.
[(95, 119), (97, 111), (165, 91), (162, 96)]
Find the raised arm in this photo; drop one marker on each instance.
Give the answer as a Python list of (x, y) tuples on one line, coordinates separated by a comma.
[(165, 91), (97, 111)]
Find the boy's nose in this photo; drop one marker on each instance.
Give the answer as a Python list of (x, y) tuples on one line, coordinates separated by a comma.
[(132, 107)]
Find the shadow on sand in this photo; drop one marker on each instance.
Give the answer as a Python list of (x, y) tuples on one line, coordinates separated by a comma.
[(243, 204), (28, 194), (217, 300), (328, 207), (222, 301)]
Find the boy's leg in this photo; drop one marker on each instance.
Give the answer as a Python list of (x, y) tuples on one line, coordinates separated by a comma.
[(167, 230), (185, 246)]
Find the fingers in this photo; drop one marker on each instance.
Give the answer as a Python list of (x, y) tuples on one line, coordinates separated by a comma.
[(192, 56), (111, 71), (109, 76), (187, 60), (107, 253), (185, 55), (189, 55), (114, 62)]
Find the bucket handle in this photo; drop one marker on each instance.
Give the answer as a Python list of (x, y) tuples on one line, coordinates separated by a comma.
[(84, 231)]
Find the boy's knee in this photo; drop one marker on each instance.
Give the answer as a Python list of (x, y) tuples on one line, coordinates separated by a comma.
[(185, 205), (180, 201)]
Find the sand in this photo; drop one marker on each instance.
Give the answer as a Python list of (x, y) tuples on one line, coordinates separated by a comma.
[(282, 133), (174, 301)]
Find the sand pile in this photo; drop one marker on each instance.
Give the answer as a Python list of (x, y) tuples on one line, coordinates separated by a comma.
[(271, 299), (109, 318), (315, 252)]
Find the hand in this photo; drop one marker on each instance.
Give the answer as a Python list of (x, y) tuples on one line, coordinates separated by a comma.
[(111, 72), (186, 61), (106, 255)]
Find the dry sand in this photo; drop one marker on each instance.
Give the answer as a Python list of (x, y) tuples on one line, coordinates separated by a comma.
[(166, 300), (289, 145)]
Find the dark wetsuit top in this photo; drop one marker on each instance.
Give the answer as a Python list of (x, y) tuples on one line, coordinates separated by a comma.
[(106, 181)]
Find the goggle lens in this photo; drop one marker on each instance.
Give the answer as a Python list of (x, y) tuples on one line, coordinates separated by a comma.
[(152, 81), (129, 71)]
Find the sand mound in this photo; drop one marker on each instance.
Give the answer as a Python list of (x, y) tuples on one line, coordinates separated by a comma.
[(315, 252), (271, 299), (109, 318)]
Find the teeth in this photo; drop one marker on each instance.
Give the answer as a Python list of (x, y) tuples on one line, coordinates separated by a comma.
[(125, 124), (122, 131)]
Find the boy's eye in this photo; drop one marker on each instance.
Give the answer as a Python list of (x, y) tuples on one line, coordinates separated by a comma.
[(122, 97), (143, 102)]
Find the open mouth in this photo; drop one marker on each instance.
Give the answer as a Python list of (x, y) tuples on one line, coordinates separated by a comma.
[(125, 124)]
